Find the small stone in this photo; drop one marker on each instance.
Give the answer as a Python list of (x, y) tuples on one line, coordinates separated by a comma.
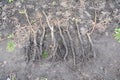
[(106, 33), (8, 79), (5, 62)]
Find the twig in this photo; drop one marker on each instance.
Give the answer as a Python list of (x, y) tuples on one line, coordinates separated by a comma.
[(63, 39), (93, 28), (26, 15), (35, 50), (52, 30), (51, 27), (89, 33)]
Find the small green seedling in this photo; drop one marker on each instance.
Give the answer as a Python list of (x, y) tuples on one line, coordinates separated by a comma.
[(10, 1), (33, 21), (12, 77), (11, 46), (43, 78), (117, 34), (44, 54), (22, 11)]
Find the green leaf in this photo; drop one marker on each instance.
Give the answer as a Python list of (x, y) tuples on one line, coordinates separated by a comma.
[(11, 46), (33, 21), (117, 34), (45, 54), (43, 78), (10, 1)]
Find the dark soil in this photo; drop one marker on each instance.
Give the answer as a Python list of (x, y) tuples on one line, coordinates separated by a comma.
[(76, 35)]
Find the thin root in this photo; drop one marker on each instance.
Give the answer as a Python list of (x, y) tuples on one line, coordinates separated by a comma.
[(71, 43), (51, 27), (63, 39), (42, 37), (52, 31), (91, 43), (80, 39), (26, 15)]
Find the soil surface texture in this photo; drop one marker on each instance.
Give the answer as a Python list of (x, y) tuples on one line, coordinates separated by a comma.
[(59, 40)]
